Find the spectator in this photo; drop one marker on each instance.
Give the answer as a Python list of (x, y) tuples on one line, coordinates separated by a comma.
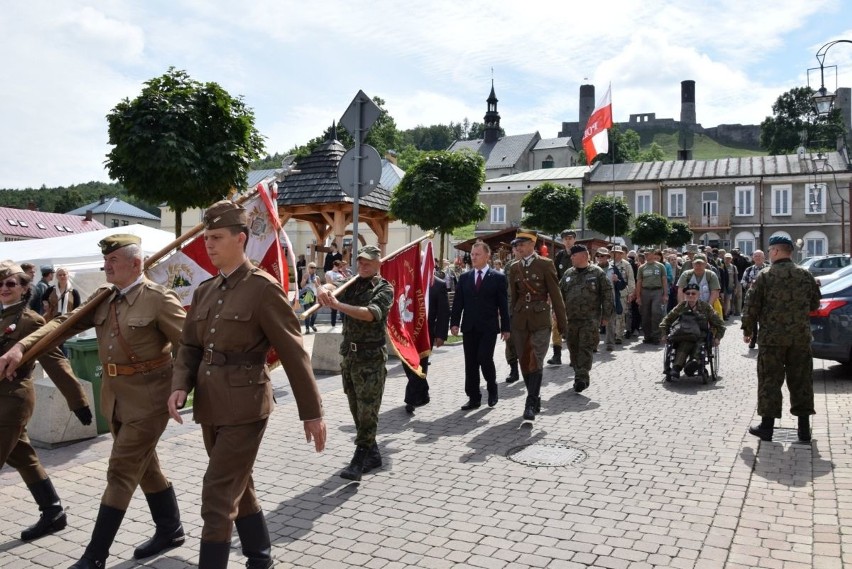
[(729, 282), (331, 257), (308, 290), (335, 277), (61, 298), (38, 298), (759, 263)]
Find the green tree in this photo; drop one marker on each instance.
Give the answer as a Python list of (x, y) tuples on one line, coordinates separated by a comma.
[(608, 215), (182, 142), (551, 207), (795, 123), (679, 234), (441, 192), (650, 229), (654, 153), (69, 200), (477, 131)]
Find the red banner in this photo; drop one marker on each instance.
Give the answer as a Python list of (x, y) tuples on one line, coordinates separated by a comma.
[(408, 326)]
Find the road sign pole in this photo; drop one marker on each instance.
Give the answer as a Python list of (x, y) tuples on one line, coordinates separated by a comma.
[(353, 259)]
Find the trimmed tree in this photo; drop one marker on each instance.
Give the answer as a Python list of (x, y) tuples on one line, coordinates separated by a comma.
[(650, 229), (679, 235), (551, 208), (441, 192), (182, 142), (608, 215)]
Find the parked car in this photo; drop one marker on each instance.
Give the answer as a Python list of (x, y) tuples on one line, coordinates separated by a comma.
[(836, 275), (825, 264), (831, 323)]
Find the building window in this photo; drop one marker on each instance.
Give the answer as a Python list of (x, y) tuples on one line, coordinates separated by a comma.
[(498, 214), (781, 200), (745, 201), (115, 223), (815, 198), (124, 222), (677, 203), (643, 202), (816, 243), (547, 162), (744, 241)]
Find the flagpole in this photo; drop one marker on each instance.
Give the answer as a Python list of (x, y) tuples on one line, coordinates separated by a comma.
[(336, 292), (42, 345)]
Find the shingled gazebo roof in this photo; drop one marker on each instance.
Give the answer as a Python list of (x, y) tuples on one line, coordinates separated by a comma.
[(313, 194), (316, 182)]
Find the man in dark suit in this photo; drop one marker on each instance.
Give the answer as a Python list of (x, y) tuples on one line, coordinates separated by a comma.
[(482, 296), (417, 389)]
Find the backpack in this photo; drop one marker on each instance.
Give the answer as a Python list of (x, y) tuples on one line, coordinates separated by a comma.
[(307, 296), (687, 328)]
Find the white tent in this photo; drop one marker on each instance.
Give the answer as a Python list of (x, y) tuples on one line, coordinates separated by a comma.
[(80, 253)]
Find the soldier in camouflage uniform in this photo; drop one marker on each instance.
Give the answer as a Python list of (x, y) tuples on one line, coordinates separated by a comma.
[(366, 303), (588, 297), (780, 300)]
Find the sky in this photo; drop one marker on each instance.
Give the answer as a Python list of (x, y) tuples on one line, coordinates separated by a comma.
[(299, 64)]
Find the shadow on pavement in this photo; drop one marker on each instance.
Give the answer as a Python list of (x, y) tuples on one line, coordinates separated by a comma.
[(791, 464)]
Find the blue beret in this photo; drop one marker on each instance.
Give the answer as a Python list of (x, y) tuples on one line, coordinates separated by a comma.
[(780, 240)]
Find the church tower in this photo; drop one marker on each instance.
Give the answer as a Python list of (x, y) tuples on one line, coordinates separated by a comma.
[(492, 118)]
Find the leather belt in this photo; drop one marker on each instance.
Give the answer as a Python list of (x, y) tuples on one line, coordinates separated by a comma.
[(528, 297), (113, 370), (355, 346), (212, 357)]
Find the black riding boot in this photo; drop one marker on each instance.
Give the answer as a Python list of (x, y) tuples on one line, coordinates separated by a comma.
[(254, 538), (373, 459), (214, 555), (52, 518), (106, 526), (356, 465), (805, 429), (764, 430), (166, 516), (533, 390), (513, 372), (557, 356)]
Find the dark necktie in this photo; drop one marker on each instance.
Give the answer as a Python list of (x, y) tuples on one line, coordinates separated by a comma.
[(478, 280)]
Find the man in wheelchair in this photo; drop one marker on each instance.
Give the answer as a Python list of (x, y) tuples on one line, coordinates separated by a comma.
[(686, 327)]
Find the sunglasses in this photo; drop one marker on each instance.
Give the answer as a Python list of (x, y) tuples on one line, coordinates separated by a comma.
[(9, 284)]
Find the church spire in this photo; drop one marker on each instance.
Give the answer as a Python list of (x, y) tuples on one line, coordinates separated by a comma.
[(492, 118)]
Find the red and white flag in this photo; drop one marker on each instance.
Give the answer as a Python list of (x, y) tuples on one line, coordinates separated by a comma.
[(408, 324), (184, 270), (596, 135)]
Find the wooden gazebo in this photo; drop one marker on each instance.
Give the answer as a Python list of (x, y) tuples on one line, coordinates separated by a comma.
[(314, 195)]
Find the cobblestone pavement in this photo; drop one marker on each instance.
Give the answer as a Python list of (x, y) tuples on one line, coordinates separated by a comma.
[(671, 478)]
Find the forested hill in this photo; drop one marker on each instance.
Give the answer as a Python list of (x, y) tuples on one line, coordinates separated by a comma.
[(63, 199)]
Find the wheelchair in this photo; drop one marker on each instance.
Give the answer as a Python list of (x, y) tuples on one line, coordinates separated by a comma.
[(706, 365)]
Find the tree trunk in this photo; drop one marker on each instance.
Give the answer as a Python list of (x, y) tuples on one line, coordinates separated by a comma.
[(441, 249), (178, 222)]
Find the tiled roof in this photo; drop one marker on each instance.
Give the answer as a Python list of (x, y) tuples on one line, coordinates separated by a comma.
[(114, 206), (29, 224), (316, 182), (571, 172), (257, 176), (720, 169), (560, 142), (504, 153)]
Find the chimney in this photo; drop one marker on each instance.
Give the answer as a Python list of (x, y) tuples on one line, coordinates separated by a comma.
[(390, 156), (103, 199), (687, 120), (31, 206), (88, 215)]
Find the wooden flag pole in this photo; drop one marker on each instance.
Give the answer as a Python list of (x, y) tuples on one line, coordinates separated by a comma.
[(42, 345), (336, 292)]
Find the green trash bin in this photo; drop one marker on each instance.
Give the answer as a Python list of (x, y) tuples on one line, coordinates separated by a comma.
[(83, 355)]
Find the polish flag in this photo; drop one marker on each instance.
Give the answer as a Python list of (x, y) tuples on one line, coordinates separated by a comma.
[(596, 137)]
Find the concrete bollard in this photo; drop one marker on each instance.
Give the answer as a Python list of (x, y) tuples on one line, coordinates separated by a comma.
[(52, 422)]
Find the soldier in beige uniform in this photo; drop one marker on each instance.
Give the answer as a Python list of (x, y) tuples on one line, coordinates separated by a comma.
[(17, 399), (136, 326), (233, 321), (532, 282), (619, 321)]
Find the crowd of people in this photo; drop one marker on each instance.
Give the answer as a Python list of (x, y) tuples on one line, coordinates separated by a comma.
[(155, 354)]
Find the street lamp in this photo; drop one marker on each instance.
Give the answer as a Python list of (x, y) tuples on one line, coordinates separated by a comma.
[(823, 99)]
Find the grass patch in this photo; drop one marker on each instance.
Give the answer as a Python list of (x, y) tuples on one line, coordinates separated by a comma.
[(454, 339)]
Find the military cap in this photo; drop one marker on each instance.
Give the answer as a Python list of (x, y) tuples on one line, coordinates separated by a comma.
[(225, 214), (370, 252), (617, 249), (691, 286), (699, 258), (9, 268), (46, 270), (578, 249), (524, 235), (602, 251), (568, 233), (117, 241), (780, 240)]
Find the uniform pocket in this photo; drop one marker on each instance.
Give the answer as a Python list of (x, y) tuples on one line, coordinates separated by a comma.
[(247, 375), (139, 322)]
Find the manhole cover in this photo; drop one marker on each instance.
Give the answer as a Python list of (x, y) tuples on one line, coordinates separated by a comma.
[(546, 454)]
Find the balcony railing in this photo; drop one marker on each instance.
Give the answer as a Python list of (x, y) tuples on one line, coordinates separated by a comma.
[(709, 222)]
